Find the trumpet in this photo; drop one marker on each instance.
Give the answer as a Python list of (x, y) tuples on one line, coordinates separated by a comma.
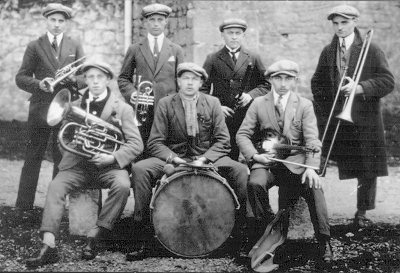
[(141, 100), (63, 73), (345, 115), (92, 135)]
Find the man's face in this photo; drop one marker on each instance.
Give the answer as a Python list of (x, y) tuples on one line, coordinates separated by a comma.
[(56, 23), (342, 26), (96, 80), (155, 24), (189, 84), (283, 83), (233, 37)]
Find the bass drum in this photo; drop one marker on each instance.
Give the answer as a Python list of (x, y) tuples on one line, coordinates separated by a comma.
[(193, 212)]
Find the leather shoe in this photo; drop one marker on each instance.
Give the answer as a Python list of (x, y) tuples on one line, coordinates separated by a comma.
[(325, 250), (47, 255), (89, 252), (137, 254), (362, 221)]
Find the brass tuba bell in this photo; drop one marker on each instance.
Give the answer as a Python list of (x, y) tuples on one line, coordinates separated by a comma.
[(92, 135)]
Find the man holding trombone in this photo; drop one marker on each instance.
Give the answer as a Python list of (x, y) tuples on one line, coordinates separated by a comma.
[(43, 60), (351, 78)]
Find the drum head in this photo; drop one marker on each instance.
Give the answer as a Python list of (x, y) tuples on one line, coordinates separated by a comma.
[(193, 214)]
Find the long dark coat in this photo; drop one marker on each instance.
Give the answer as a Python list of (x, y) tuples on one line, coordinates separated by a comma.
[(359, 148)]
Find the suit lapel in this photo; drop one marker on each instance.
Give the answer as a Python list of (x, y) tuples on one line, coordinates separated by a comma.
[(111, 104), (164, 55), (271, 111), (241, 60), (48, 50), (64, 50), (148, 56), (289, 112), (179, 112), (226, 58)]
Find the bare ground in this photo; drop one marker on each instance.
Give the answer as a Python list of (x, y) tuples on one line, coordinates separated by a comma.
[(372, 249)]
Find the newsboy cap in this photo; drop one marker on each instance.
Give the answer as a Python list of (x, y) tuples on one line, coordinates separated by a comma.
[(345, 11), (57, 8), (156, 9), (233, 22), (283, 67), (191, 67), (105, 67)]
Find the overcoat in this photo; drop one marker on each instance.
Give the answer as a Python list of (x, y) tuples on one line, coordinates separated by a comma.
[(359, 148)]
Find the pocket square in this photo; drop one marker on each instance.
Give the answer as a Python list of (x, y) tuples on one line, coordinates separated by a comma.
[(171, 58)]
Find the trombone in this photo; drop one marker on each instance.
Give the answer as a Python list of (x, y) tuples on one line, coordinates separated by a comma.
[(345, 115), (63, 73)]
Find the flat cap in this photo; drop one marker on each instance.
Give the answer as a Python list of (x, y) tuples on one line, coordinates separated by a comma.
[(105, 67), (283, 67), (345, 11), (57, 8), (156, 9), (233, 22), (192, 67)]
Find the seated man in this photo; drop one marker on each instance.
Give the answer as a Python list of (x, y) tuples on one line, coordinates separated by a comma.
[(291, 117), (103, 170), (188, 127)]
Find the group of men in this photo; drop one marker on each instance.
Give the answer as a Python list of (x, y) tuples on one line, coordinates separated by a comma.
[(215, 114)]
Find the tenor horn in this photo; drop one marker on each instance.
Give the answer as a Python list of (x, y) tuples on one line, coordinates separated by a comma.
[(92, 135), (141, 100)]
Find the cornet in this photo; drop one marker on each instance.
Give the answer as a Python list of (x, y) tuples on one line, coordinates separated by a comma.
[(62, 73), (141, 100)]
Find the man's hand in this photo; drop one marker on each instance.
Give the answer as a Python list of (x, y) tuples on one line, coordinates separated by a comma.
[(263, 158), (228, 112), (312, 177), (346, 89), (133, 98), (102, 160), (42, 85), (200, 161), (244, 99), (177, 160)]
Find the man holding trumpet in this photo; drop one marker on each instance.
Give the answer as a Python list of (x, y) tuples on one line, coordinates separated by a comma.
[(359, 147), (42, 59)]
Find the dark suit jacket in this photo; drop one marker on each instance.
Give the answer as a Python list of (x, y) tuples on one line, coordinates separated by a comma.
[(300, 126), (360, 147), (169, 138), (226, 77), (38, 63), (133, 143), (140, 58)]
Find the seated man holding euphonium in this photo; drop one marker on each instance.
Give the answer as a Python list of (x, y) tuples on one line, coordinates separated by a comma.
[(291, 117), (99, 168)]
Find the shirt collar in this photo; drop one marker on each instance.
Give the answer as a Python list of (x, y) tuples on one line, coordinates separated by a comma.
[(101, 97), (230, 49), (348, 40), (284, 99), (51, 37), (160, 39)]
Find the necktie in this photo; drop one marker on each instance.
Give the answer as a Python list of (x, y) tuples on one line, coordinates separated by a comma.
[(233, 54), (342, 56), (279, 111), (155, 50), (54, 44)]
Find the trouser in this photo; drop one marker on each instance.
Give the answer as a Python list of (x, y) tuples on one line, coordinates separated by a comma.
[(38, 136), (366, 193), (66, 181), (290, 189)]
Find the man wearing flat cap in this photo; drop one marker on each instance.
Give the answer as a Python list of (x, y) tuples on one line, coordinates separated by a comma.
[(104, 169), (359, 147), (227, 69), (188, 127), (155, 59), (283, 117), (42, 59)]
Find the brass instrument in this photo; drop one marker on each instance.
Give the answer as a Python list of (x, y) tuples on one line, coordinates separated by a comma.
[(345, 115), (63, 73), (92, 135), (141, 100)]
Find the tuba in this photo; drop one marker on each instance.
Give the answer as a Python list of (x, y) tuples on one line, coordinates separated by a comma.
[(142, 100), (92, 135)]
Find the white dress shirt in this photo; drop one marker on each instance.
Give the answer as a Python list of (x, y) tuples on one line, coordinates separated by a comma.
[(348, 40), (160, 40), (284, 99), (100, 97), (58, 37), (230, 52)]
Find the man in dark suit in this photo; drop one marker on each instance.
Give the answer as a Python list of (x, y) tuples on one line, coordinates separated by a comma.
[(155, 59), (102, 170), (288, 115), (359, 148), (227, 68), (188, 127), (42, 58)]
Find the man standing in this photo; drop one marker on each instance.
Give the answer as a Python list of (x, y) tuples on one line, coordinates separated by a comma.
[(155, 59), (103, 170), (282, 114), (227, 68), (359, 148), (188, 127), (42, 58)]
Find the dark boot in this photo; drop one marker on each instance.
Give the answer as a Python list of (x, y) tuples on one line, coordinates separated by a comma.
[(47, 255), (325, 249), (90, 250)]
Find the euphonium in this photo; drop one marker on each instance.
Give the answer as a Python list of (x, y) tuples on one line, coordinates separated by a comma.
[(141, 100), (63, 73), (92, 135)]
